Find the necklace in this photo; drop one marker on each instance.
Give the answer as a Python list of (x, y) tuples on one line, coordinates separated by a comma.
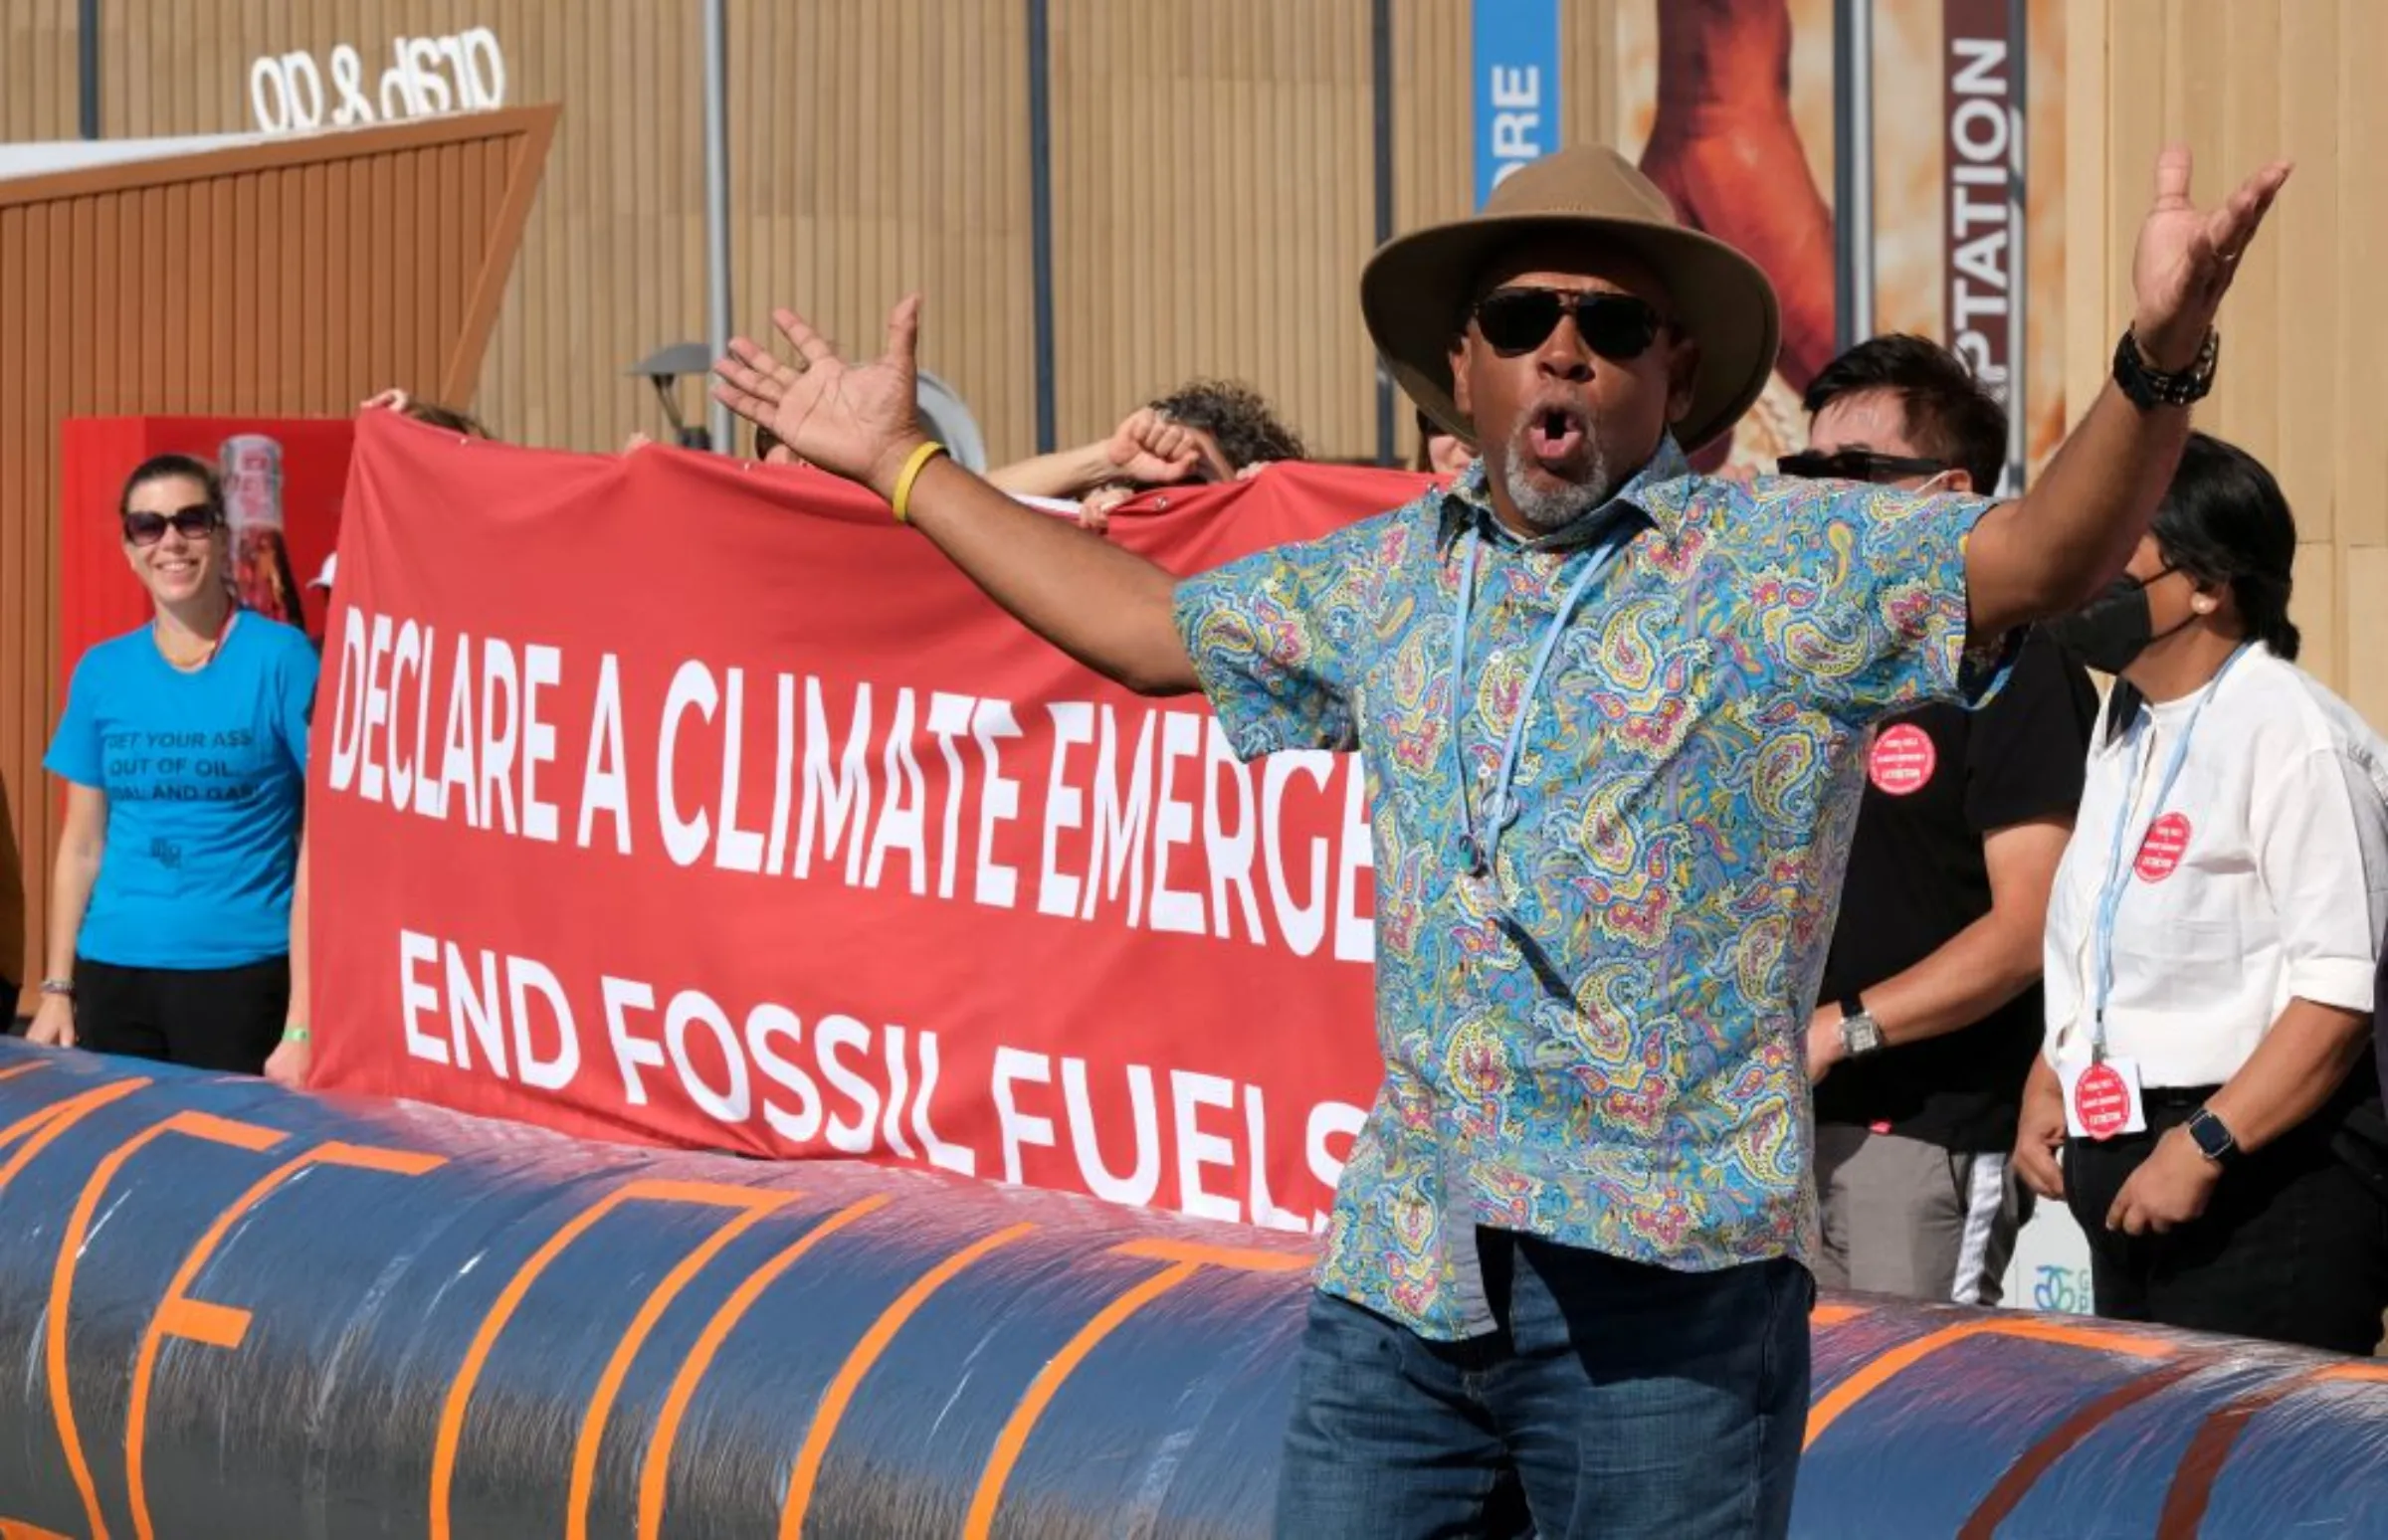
[(195, 664)]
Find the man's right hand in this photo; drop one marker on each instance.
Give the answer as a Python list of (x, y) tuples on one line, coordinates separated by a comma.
[(2040, 1133), (52, 1022), (861, 423)]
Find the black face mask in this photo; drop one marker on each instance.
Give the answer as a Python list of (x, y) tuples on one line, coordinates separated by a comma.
[(2113, 628)]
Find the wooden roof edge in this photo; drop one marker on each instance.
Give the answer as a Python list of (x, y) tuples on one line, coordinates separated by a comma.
[(535, 122), (529, 163)]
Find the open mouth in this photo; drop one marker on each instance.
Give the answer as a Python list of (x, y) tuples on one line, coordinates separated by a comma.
[(1557, 437)]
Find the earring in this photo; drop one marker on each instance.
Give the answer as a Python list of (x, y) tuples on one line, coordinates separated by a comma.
[(2202, 605)]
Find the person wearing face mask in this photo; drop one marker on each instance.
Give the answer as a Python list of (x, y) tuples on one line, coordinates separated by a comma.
[(2212, 942), (1929, 1013), (176, 926)]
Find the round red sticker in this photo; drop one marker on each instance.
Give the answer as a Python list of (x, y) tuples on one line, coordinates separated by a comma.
[(2160, 853), (1902, 760), (2102, 1103)]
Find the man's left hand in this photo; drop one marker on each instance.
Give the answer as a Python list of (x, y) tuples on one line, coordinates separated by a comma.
[(2170, 1188), (1823, 1043), (2186, 258)]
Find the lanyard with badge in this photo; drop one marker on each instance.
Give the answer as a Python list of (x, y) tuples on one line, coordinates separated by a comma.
[(1502, 806), (2103, 1098)]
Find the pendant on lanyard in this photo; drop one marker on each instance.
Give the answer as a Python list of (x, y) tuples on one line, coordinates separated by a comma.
[(1501, 807), (2110, 895)]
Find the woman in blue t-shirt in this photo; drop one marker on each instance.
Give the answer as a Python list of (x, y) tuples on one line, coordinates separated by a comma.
[(184, 751)]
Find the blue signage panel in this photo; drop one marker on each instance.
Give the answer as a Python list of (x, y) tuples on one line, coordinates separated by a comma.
[(1516, 87)]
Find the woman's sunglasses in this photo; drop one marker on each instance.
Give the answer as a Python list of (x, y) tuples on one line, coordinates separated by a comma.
[(192, 523), (1616, 326), (1856, 465)]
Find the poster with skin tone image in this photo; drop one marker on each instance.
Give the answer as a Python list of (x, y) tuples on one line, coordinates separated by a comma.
[(1728, 105)]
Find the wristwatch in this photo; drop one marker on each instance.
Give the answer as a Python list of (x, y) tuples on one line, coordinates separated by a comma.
[(2149, 387), (1860, 1033), (2213, 1138)]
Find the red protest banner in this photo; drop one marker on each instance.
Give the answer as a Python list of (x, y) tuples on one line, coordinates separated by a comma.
[(675, 799)]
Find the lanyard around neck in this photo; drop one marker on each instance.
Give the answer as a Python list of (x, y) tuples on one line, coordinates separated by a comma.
[(2110, 895), (1500, 806)]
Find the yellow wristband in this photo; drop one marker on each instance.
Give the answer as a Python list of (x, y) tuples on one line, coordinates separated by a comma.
[(912, 468)]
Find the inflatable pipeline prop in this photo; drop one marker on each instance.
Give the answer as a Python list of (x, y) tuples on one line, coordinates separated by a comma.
[(231, 1312)]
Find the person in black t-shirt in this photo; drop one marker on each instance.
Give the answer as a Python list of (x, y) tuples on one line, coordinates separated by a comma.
[(1930, 1010)]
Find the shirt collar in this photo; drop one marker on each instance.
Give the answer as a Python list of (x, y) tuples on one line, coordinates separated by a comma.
[(1468, 503)]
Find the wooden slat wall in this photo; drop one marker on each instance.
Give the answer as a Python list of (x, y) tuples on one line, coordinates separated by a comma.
[(39, 97), (283, 279), (845, 199), (611, 264), (1213, 183), (2303, 373), (1213, 180)]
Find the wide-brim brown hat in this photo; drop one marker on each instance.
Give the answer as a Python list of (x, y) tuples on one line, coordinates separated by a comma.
[(1416, 289)]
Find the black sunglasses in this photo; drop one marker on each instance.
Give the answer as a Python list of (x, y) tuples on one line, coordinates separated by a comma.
[(1856, 465), (191, 523), (1616, 326)]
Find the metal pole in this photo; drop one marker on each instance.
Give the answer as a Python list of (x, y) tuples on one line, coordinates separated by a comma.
[(1040, 215), (2019, 287), (1381, 73), (86, 60), (1853, 169), (717, 208)]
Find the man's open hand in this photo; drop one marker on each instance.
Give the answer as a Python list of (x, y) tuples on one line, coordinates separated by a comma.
[(859, 422), (2186, 257)]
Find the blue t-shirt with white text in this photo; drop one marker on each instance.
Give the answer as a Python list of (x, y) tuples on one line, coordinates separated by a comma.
[(205, 775)]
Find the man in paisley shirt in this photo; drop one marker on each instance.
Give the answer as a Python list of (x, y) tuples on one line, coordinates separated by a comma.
[(1612, 715)]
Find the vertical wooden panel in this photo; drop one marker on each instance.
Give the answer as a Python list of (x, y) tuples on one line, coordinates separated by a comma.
[(93, 285), (1241, 130), (2249, 133), (2137, 125), (2360, 372), (2316, 610), (2364, 599), (39, 95), (1434, 127), (846, 199), (2303, 245), (1589, 73), (229, 267), (2089, 181)]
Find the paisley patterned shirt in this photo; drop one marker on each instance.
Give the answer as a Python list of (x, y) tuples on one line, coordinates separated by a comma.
[(1597, 1041)]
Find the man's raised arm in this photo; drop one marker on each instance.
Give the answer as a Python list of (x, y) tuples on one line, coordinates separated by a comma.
[(1104, 606), (2049, 552)]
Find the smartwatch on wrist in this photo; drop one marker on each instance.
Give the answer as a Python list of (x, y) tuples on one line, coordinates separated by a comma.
[(1860, 1033), (2213, 1138)]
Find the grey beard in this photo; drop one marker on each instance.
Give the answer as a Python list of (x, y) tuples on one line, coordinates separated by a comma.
[(1554, 511)]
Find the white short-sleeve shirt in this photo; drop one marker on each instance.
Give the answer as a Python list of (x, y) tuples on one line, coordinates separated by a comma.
[(2263, 877)]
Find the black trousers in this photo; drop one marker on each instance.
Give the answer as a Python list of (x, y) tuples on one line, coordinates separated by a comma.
[(2292, 1248), (208, 1017)]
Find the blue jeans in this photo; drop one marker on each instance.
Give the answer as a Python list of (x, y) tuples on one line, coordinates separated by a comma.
[(1615, 1399)]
